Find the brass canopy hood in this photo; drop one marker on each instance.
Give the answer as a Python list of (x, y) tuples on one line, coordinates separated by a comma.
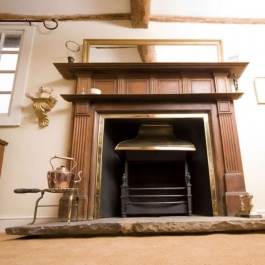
[(155, 137)]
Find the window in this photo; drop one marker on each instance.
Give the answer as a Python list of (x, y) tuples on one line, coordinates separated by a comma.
[(9, 45), (15, 48)]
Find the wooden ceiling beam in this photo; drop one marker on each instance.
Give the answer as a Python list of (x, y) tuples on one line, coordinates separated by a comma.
[(140, 13), (127, 16)]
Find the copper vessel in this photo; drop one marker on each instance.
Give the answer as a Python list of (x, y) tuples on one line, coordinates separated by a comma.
[(61, 177)]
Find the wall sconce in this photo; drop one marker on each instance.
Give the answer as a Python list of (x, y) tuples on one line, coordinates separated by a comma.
[(72, 50), (44, 101)]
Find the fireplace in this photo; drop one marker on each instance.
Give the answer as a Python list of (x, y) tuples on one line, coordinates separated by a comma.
[(143, 163), (196, 99), (156, 178)]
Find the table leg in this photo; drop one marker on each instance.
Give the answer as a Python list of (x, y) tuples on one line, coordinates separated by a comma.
[(36, 207), (70, 206)]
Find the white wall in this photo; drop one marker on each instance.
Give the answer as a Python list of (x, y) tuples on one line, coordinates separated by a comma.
[(202, 8), (26, 159)]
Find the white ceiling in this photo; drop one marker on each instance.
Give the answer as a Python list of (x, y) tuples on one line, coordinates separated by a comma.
[(204, 8)]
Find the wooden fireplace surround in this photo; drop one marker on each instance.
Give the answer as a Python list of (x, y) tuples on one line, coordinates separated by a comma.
[(156, 87)]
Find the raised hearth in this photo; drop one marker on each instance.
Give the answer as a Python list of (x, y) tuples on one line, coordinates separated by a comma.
[(142, 226)]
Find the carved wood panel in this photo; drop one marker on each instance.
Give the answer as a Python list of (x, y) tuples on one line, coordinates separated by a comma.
[(107, 86), (83, 84), (229, 137), (202, 86), (137, 86), (169, 86)]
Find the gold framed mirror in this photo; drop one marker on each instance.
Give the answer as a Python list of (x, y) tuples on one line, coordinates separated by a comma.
[(152, 50)]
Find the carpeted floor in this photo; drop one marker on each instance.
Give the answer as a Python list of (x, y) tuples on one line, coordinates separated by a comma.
[(219, 248)]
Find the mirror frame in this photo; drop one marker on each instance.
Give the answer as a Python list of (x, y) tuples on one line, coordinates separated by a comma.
[(188, 42)]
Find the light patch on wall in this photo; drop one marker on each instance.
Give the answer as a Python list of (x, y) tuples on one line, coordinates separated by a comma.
[(259, 83), (187, 53)]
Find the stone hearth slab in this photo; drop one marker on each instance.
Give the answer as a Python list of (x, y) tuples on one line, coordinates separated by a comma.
[(141, 226)]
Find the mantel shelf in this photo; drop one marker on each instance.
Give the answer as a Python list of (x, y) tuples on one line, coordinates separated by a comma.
[(150, 98), (71, 71)]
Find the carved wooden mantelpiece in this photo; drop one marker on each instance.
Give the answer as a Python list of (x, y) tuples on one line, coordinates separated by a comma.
[(131, 88)]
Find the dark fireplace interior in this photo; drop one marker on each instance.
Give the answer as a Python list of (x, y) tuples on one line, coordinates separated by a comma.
[(146, 172)]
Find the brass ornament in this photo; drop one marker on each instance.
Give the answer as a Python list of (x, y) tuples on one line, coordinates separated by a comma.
[(246, 207), (44, 101)]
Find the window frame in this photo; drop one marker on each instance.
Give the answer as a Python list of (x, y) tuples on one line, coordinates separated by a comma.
[(13, 117)]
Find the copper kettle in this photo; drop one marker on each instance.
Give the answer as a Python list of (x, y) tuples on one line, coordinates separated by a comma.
[(61, 177)]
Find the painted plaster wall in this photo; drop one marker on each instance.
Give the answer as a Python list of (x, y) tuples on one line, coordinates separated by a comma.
[(30, 148)]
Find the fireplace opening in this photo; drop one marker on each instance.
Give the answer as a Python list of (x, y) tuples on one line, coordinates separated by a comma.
[(113, 165)]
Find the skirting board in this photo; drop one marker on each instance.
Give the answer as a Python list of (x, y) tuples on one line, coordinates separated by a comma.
[(24, 220), (261, 211)]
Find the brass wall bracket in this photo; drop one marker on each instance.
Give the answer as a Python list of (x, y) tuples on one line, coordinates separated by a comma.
[(43, 103)]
